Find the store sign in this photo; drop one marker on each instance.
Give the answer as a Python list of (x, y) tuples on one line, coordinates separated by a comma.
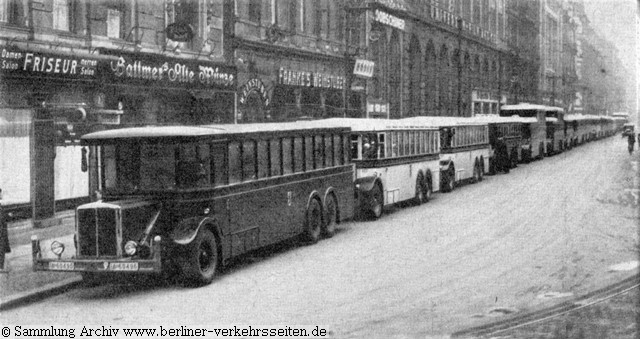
[(364, 68), (377, 109), (145, 69), (254, 85), (310, 79), (388, 19), (30, 63)]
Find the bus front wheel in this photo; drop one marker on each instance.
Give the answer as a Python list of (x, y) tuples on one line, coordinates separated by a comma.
[(202, 258), (377, 202)]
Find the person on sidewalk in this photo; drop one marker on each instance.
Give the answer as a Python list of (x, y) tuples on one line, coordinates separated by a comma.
[(4, 235)]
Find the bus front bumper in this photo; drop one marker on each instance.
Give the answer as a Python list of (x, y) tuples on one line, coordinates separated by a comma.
[(97, 264)]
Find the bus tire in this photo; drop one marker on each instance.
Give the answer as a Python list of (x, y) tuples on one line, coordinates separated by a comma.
[(514, 158), (313, 222), (428, 188), (476, 172), (449, 179), (419, 197), (377, 202), (202, 258), (331, 216)]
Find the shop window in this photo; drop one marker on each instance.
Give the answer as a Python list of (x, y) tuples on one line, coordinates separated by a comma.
[(287, 156), (249, 160), (381, 145), (263, 159), (355, 152), (274, 153)]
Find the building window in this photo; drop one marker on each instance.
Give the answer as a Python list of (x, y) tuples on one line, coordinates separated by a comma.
[(183, 11), (254, 11), (293, 15), (12, 12), (61, 15)]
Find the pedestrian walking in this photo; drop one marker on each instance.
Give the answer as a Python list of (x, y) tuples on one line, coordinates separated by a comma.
[(4, 235), (631, 140)]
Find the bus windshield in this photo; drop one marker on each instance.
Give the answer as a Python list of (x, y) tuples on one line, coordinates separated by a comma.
[(133, 167)]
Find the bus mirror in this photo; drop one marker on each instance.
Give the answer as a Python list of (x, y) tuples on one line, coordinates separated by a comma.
[(84, 165)]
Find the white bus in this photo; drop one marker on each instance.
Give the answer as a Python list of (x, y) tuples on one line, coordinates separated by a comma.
[(464, 148), (395, 161)]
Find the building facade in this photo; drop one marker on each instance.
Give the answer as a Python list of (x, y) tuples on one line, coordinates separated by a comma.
[(73, 66)]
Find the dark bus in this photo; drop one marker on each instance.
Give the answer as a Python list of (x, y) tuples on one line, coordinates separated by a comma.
[(187, 199)]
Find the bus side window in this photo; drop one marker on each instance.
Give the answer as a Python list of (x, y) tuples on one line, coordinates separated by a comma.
[(308, 153), (337, 150), (328, 150), (298, 155), (395, 144), (381, 145), (287, 156), (345, 150), (191, 170), (219, 166), (235, 163), (318, 151), (355, 149), (263, 159), (274, 153)]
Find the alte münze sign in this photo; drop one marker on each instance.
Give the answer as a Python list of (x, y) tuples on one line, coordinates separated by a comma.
[(173, 72)]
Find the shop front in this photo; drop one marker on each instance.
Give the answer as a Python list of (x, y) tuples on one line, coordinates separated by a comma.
[(273, 89), (46, 104), (48, 100)]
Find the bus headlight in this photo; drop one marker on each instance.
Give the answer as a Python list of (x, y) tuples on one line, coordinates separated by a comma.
[(130, 248), (57, 248)]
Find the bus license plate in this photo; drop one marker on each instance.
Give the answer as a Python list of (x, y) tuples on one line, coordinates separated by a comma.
[(61, 266), (123, 266)]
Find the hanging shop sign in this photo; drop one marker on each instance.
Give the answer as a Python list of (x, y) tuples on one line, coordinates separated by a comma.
[(180, 31), (152, 70), (364, 68), (254, 86), (25, 63), (388, 19), (310, 79)]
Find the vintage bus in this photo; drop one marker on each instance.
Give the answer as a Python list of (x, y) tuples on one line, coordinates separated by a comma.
[(188, 199), (395, 161), (537, 129), (556, 130), (510, 130), (464, 148)]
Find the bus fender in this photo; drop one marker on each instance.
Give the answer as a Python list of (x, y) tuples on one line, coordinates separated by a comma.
[(445, 165), (365, 184), (187, 229), (314, 195)]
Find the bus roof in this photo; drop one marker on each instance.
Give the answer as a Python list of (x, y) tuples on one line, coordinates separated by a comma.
[(523, 106), (496, 119), (444, 121), (361, 124), (200, 131)]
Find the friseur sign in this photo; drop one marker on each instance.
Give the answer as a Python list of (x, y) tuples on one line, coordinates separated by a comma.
[(153, 70), (23, 63)]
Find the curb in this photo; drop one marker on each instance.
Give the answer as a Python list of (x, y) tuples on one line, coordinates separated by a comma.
[(39, 293)]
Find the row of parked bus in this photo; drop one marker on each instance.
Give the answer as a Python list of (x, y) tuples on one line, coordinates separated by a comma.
[(187, 199)]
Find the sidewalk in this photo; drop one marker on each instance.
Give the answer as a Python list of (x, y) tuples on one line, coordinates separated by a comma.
[(18, 282)]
